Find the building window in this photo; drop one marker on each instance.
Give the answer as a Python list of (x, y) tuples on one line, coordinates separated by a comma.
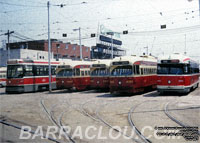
[(86, 49), (22, 46), (58, 45), (66, 47), (74, 47)]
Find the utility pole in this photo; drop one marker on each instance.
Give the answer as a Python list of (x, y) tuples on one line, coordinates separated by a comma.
[(81, 56), (199, 8), (79, 29), (49, 47), (8, 46)]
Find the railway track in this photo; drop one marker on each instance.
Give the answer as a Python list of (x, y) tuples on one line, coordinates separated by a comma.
[(58, 123), (32, 132), (133, 125), (110, 126), (166, 110), (85, 112)]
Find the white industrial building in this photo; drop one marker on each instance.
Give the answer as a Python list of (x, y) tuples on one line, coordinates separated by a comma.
[(22, 54)]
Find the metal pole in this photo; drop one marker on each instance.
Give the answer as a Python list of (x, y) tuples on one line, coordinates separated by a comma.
[(185, 45), (8, 45), (49, 48), (199, 8), (81, 56), (112, 44)]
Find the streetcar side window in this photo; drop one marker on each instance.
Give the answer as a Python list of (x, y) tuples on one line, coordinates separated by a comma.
[(86, 73), (38, 70), (41, 70), (53, 70), (28, 70), (141, 71), (60, 73), (136, 69), (77, 72), (82, 73), (46, 70)]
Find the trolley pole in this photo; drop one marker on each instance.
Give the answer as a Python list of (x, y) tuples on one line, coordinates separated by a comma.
[(147, 50), (81, 56), (185, 46), (49, 47)]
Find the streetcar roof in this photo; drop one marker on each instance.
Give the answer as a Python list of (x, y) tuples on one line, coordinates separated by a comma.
[(105, 62), (3, 69), (134, 59), (73, 64), (29, 61), (176, 56)]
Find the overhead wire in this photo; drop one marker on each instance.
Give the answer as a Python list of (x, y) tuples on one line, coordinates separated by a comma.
[(23, 5)]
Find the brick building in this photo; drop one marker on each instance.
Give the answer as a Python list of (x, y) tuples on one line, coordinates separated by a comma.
[(59, 49)]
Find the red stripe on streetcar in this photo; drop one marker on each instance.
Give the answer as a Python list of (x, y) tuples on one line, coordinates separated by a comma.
[(187, 59)]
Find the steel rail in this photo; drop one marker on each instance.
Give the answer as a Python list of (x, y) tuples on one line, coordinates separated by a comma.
[(134, 127), (50, 116), (173, 118), (32, 132), (110, 126), (86, 113)]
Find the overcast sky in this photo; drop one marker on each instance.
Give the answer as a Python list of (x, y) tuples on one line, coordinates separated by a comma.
[(142, 19)]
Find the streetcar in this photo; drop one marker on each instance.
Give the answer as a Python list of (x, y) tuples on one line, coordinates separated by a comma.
[(132, 74), (178, 73), (100, 74), (3, 76), (26, 75), (73, 75)]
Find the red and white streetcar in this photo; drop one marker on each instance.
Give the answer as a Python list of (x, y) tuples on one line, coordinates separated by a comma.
[(131, 74), (24, 75), (73, 74), (3, 71), (100, 74), (177, 73)]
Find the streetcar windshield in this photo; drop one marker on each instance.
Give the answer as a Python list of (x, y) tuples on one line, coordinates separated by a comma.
[(122, 71), (65, 72), (176, 69), (100, 72), (15, 71)]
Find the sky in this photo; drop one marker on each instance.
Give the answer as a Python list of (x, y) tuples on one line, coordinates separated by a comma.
[(142, 19)]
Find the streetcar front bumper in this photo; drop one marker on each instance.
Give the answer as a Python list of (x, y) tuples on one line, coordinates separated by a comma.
[(179, 89)]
